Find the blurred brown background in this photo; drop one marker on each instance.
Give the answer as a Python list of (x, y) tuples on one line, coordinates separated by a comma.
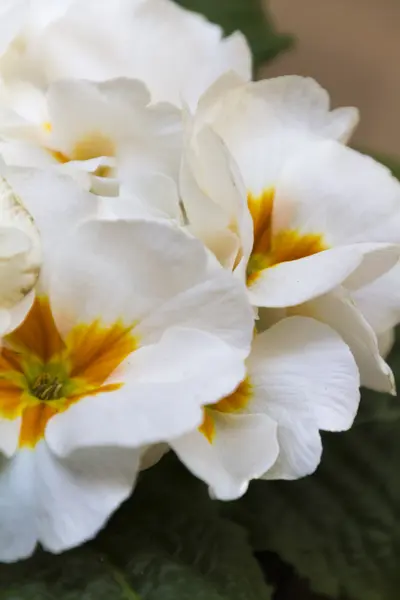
[(352, 47)]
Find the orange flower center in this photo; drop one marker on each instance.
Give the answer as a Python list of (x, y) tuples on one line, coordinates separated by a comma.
[(271, 249), (42, 373)]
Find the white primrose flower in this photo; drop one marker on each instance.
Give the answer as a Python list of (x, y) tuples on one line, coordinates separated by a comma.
[(175, 52), (310, 230), (89, 130), (20, 255), (301, 378), (294, 212), (133, 327)]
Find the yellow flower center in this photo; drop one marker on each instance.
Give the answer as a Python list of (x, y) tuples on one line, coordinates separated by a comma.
[(42, 373), (270, 250), (235, 402)]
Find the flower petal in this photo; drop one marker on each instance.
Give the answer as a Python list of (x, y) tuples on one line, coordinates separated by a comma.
[(60, 504), (337, 310), (386, 342), (324, 183), (9, 436), (379, 301), (244, 447), (307, 105), (12, 13), (56, 203), (193, 52), (265, 123), (163, 389), (20, 248), (300, 451), (213, 193), (294, 282), (161, 277), (301, 369)]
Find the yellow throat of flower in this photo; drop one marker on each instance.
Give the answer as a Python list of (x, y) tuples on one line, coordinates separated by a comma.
[(271, 249), (42, 374)]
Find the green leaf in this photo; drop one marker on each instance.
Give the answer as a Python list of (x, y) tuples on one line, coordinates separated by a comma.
[(167, 543), (339, 528), (248, 16)]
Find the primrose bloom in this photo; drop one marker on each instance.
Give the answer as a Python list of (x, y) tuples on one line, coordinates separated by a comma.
[(309, 229), (89, 130), (312, 226), (175, 52), (300, 378), (131, 330)]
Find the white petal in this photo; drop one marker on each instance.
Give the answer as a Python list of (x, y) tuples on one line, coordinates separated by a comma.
[(17, 314), (337, 310), (342, 123), (56, 203), (161, 277), (244, 447), (29, 105), (12, 14), (20, 248), (213, 192), (149, 138), (379, 301), (300, 451), (303, 103), (193, 53), (9, 436), (337, 192), (60, 504), (265, 123), (297, 281), (153, 195), (165, 386), (301, 369), (386, 342)]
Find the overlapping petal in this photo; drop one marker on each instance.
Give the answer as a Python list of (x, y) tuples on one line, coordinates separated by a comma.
[(81, 127), (68, 42), (133, 328), (301, 378)]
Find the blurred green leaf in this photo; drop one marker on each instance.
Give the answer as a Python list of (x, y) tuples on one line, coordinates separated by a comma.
[(248, 16), (166, 543)]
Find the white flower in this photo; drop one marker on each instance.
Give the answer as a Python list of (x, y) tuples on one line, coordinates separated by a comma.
[(175, 52), (320, 211), (301, 378), (20, 254), (309, 223), (133, 327), (91, 128)]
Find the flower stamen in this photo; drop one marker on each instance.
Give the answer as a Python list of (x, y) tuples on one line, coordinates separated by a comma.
[(47, 387)]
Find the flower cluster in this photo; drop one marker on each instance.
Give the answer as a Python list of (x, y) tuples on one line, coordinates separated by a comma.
[(189, 261)]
